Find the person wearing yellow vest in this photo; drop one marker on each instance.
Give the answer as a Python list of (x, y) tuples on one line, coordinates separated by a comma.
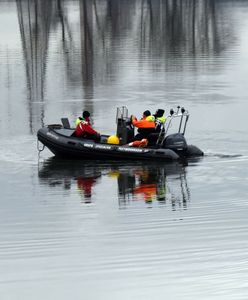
[(159, 119), (84, 128)]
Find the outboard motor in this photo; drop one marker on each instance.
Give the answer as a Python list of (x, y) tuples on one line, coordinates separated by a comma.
[(177, 143), (125, 130)]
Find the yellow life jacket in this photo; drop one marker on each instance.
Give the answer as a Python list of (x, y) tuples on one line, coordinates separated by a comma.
[(150, 118), (79, 119), (161, 119)]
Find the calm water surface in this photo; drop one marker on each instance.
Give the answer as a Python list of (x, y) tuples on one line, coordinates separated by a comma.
[(104, 230)]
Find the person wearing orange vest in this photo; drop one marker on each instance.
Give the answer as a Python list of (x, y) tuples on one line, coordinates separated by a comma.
[(145, 125), (84, 128)]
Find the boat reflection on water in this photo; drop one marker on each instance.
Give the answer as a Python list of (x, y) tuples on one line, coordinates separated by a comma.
[(151, 183), (70, 175), (154, 184)]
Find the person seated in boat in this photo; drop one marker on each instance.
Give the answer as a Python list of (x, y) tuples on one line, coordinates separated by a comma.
[(159, 119), (84, 128), (145, 125)]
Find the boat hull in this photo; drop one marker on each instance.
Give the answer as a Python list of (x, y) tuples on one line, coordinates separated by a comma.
[(61, 143)]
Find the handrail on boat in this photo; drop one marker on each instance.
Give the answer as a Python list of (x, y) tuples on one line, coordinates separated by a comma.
[(180, 113)]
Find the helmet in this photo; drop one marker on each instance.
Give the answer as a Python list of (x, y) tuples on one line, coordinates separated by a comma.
[(113, 139)]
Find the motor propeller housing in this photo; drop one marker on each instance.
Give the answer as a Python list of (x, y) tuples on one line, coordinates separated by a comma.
[(176, 142)]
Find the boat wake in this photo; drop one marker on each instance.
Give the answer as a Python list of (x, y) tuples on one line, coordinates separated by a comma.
[(223, 157)]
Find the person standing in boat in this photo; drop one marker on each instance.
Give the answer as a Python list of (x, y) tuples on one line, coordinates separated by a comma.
[(145, 125), (84, 128)]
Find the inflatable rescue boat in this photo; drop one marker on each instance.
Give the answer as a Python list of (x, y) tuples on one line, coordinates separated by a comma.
[(60, 140)]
